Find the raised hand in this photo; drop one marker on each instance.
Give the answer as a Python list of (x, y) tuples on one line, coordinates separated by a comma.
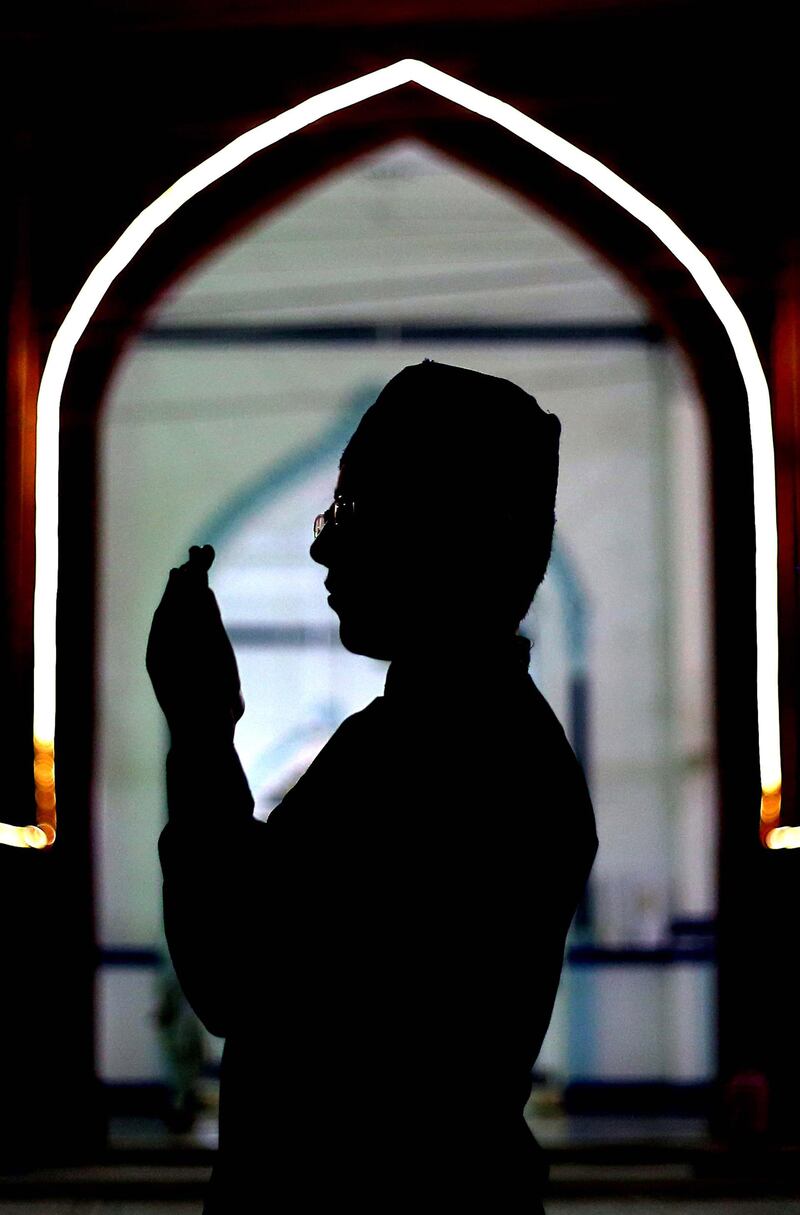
[(190, 659)]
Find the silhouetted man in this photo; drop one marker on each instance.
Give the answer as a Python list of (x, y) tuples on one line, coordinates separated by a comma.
[(382, 955)]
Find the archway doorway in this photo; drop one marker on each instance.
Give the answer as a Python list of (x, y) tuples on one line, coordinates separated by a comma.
[(646, 438)]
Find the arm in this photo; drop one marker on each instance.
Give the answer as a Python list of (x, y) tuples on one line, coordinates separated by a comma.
[(207, 847), (207, 851)]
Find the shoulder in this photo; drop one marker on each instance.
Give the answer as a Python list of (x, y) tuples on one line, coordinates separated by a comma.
[(334, 766)]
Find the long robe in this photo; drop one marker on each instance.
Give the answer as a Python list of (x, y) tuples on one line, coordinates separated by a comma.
[(383, 953)]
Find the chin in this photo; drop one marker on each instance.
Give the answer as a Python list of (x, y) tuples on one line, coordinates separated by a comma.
[(360, 639)]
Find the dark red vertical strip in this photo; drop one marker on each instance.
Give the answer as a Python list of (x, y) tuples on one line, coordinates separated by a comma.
[(786, 412)]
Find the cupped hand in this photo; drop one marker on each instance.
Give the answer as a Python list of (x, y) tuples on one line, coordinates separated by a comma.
[(190, 659)]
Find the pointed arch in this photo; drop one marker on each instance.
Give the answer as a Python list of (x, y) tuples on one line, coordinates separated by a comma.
[(234, 154)]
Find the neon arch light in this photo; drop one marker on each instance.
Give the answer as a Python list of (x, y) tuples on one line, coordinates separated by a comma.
[(235, 153)]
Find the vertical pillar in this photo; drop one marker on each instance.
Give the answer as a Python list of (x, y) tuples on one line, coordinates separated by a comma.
[(48, 1098), (784, 867), (18, 870), (758, 887)]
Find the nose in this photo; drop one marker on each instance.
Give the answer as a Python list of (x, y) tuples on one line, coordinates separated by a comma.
[(320, 547)]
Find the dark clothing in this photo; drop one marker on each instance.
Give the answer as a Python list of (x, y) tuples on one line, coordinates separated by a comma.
[(382, 955)]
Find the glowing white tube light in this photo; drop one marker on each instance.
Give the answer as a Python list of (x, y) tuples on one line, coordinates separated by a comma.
[(783, 837), (22, 837), (538, 136)]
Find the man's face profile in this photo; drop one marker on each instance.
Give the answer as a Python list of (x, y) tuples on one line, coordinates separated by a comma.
[(376, 564)]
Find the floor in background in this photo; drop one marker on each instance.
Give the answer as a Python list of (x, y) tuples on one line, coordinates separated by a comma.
[(599, 1166), (556, 1130)]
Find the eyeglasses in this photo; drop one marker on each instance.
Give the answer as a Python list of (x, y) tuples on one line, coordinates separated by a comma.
[(339, 511)]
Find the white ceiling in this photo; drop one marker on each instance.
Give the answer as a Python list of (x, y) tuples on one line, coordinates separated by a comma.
[(401, 236)]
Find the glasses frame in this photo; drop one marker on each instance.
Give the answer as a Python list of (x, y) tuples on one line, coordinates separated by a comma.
[(340, 509)]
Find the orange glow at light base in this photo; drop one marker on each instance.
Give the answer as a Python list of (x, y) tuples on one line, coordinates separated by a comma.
[(43, 833), (44, 779), (771, 806)]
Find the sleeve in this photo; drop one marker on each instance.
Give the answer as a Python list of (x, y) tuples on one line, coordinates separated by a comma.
[(212, 854)]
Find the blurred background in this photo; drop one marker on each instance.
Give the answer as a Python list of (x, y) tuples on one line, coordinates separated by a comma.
[(209, 403)]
